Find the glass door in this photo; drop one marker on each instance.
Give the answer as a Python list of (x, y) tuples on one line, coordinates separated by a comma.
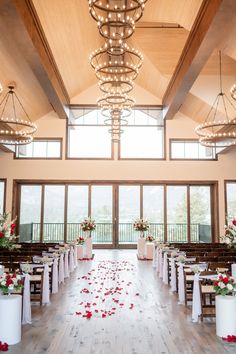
[(128, 211), (102, 212)]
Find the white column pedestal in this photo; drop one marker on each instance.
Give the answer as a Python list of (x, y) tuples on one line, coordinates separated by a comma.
[(80, 252), (10, 318), (88, 247), (149, 250), (225, 315), (141, 247)]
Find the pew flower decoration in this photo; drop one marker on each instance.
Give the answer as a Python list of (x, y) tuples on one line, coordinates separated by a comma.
[(196, 269), (141, 225), (88, 224), (173, 254), (62, 250), (80, 240), (55, 254), (230, 234), (10, 283), (150, 238), (46, 259), (181, 258), (26, 268), (7, 231), (224, 285)]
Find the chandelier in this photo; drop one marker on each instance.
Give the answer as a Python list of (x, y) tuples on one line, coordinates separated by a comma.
[(116, 64), (14, 129), (218, 129)]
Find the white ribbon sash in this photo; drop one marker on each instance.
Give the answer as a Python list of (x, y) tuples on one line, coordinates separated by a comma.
[(61, 269), (165, 269), (173, 275), (55, 276), (181, 284), (26, 311), (196, 307)]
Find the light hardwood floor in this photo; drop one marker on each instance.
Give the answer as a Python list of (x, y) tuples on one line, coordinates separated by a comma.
[(156, 324)]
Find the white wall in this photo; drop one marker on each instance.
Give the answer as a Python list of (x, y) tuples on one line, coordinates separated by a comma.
[(180, 127)]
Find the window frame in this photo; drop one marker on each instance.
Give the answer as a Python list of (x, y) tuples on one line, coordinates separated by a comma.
[(4, 180), (44, 139), (227, 181), (187, 140)]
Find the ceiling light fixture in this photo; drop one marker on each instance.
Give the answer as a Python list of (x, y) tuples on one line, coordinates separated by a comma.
[(218, 130), (14, 129), (116, 64)]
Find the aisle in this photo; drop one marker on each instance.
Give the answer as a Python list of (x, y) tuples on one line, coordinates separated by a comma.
[(132, 312)]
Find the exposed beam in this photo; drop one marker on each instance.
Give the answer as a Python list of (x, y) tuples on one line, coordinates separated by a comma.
[(211, 26), (29, 36)]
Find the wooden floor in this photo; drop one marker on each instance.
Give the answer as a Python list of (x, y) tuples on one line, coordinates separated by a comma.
[(156, 323)]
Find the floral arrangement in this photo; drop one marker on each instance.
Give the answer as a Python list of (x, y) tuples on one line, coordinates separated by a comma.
[(3, 347), (7, 231), (181, 258), (230, 234), (55, 254), (88, 224), (224, 285), (195, 268), (26, 268), (150, 238), (80, 240), (10, 282), (141, 225), (62, 250), (46, 259), (173, 254)]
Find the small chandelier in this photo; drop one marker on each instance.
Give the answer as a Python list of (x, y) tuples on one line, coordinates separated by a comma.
[(116, 64), (14, 130), (218, 130)]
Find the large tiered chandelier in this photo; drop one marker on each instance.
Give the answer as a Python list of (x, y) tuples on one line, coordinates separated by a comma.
[(16, 127), (218, 129), (116, 63)]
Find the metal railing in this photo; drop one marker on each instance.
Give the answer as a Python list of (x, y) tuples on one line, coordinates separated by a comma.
[(54, 232)]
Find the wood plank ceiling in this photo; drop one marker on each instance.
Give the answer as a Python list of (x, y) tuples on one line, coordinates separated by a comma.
[(71, 35)]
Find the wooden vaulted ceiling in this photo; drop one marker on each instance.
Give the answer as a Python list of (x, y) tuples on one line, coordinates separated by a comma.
[(44, 47)]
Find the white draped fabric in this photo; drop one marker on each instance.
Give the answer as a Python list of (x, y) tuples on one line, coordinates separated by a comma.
[(165, 269), (196, 306), (61, 269), (173, 275), (46, 291), (71, 260), (55, 276), (66, 261), (75, 256), (157, 259), (26, 311), (181, 284), (141, 247), (160, 264)]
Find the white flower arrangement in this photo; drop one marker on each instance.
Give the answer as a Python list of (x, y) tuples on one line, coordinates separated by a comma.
[(173, 254), (46, 259), (26, 268), (181, 258)]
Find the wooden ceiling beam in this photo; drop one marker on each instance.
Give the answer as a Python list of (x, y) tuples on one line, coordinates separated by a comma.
[(211, 26), (32, 43)]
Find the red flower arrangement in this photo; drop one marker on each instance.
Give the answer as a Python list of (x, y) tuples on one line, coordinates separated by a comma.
[(7, 231), (224, 285), (229, 338)]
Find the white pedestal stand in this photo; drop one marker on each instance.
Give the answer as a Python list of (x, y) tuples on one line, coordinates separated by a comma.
[(88, 248), (149, 250), (141, 247), (80, 252), (225, 315), (10, 319)]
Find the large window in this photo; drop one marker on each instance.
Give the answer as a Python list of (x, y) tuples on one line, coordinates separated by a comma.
[(190, 150), (143, 137), (176, 212), (2, 196), (40, 149), (231, 200), (88, 137)]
